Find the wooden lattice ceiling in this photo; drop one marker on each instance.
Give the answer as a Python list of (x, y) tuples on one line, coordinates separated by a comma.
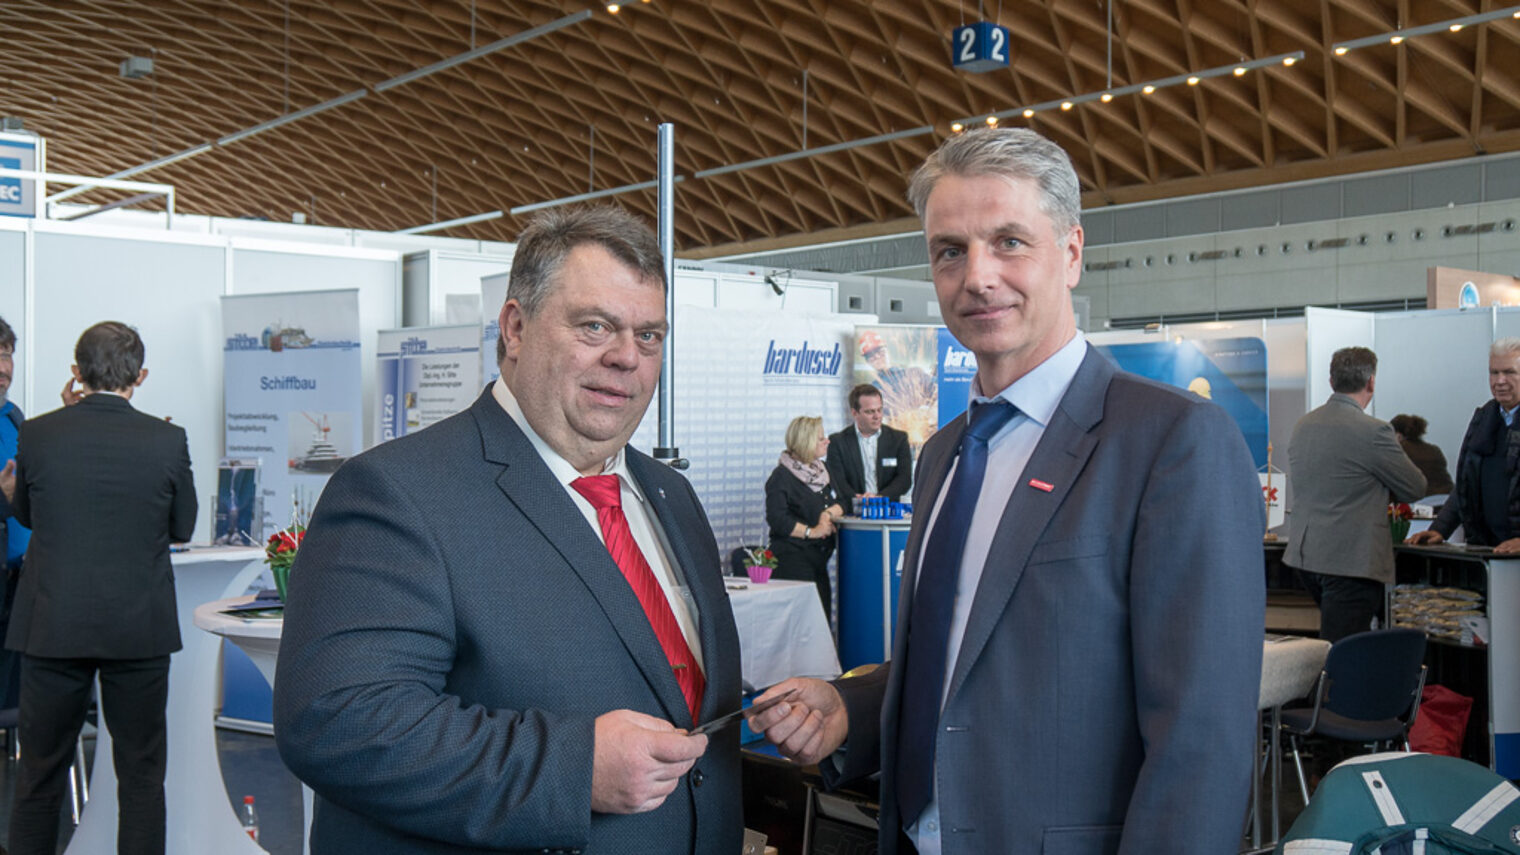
[(515, 127)]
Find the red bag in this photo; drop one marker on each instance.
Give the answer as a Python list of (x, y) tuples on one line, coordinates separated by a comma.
[(1442, 722)]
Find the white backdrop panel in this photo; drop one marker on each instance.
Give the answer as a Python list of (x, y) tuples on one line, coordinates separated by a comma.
[(169, 291), (1433, 364), (376, 273), (1330, 330)]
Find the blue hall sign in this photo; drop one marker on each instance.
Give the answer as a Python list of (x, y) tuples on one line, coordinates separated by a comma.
[(983, 46)]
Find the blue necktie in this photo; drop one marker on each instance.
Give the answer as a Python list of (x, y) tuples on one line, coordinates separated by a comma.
[(933, 606)]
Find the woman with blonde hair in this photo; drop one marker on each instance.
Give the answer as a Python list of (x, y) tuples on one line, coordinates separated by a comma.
[(801, 507)]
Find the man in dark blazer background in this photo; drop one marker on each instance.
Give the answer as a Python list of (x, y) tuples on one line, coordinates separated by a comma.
[(1078, 646), (891, 457), (472, 658), (105, 490)]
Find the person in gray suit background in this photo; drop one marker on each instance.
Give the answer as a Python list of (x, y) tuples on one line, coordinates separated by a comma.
[(1343, 466), (1078, 647), (501, 628)]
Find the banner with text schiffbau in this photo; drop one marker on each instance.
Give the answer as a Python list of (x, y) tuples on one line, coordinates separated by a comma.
[(291, 373), (425, 375)]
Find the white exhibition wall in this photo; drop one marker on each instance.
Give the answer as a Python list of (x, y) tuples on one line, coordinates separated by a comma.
[(12, 292)]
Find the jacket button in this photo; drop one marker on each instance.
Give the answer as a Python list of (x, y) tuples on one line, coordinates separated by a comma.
[(697, 777)]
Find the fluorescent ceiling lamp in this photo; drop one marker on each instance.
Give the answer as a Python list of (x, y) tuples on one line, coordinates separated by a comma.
[(479, 52), (128, 173), (291, 117), (586, 197)]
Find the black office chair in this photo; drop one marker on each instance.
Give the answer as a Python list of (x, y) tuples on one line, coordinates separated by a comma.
[(1368, 693)]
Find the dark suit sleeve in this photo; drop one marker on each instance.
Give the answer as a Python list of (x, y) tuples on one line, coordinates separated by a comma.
[(781, 510), (21, 504), (1196, 603), (834, 461), (860, 756), (184, 508), (903, 451), (362, 709), (1388, 463)]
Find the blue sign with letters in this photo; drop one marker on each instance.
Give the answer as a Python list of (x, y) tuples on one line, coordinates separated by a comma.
[(983, 46), (18, 196)]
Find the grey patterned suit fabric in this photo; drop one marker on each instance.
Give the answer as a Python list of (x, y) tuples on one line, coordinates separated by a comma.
[(455, 627), (1104, 698)]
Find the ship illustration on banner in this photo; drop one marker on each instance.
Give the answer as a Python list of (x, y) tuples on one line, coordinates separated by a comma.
[(278, 337), (321, 456)]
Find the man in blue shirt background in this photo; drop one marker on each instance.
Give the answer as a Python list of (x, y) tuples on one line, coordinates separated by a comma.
[(16, 535)]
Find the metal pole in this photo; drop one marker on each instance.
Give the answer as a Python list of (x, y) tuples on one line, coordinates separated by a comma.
[(666, 449)]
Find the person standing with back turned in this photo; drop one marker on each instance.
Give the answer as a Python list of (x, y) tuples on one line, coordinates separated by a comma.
[(105, 490)]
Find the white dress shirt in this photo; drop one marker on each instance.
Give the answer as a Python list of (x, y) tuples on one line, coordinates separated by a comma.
[(641, 520), (1036, 395), (868, 458)]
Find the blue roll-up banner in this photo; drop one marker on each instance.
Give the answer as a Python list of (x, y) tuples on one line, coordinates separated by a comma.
[(291, 374), (956, 369), (1232, 372), (426, 374)]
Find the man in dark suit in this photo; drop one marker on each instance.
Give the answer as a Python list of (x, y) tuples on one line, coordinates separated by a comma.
[(105, 490), (1078, 644), (890, 467), (501, 628), (1343, 467)]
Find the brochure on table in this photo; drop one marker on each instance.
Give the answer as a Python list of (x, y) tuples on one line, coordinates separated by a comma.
[(291, 370), (426, 374)]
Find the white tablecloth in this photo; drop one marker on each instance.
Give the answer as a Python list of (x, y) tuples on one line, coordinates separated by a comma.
[(782, 632)]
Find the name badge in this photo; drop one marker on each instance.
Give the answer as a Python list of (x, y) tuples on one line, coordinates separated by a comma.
[(889, 461)]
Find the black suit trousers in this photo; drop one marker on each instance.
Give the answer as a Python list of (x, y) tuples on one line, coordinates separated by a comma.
[(55, 695)]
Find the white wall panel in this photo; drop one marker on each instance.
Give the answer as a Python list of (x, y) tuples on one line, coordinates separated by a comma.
[(170, 292), (1433, 364), (13, 303)]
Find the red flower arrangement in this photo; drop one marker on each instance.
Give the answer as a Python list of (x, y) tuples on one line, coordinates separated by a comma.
[(759, 558), (1400, 511), (280, 550)]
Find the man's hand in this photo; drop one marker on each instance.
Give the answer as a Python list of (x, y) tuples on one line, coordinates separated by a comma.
[(1429, 536), (1508, 547), (638, 760), (71, 396), (807, 728), (8, 480)]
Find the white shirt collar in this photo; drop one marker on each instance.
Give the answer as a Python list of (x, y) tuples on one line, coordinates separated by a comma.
[(1038, 393), (564, 472)]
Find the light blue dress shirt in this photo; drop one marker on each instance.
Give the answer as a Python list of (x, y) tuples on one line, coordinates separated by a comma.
[(1036, 394)]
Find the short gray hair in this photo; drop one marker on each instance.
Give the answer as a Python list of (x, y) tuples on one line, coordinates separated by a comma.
[(1505, 346), (1351, 368), (1006, 153), (555, 232)]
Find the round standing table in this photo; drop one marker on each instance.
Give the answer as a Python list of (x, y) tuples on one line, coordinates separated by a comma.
[(870, 572)]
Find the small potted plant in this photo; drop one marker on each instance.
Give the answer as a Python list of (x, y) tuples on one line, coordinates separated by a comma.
[(280, 552), (1399, 515), (760, 563)]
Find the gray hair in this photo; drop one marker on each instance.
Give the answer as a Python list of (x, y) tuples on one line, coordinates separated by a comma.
[(1351, 368), (1006, 153), (1505, 346), (554, 233)]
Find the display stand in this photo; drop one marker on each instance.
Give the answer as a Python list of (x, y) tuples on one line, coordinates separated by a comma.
[(869, 575), (200, 818), (1490, 674)]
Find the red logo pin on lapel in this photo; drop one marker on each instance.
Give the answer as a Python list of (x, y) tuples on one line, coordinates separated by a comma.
[(1041, 485)]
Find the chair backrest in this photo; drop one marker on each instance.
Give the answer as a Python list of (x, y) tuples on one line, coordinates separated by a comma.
[(1373, 675)]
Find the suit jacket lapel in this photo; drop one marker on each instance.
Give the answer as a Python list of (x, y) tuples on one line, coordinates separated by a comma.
[(529, 485), (853, 468), (1058, 460)]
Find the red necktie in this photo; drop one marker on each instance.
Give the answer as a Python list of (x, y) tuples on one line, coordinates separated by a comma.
[(604, 494)]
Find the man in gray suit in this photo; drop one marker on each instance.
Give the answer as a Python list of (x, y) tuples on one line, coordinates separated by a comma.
[(1343, 465), (500, 629), (1078, 644)]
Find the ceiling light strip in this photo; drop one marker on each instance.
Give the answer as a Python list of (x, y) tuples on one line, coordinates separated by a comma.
[(291, 117), (1146, 87), (467, 56), (813, 152), (479, 52), (586, 197), (449, 224), (1396, 36)]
